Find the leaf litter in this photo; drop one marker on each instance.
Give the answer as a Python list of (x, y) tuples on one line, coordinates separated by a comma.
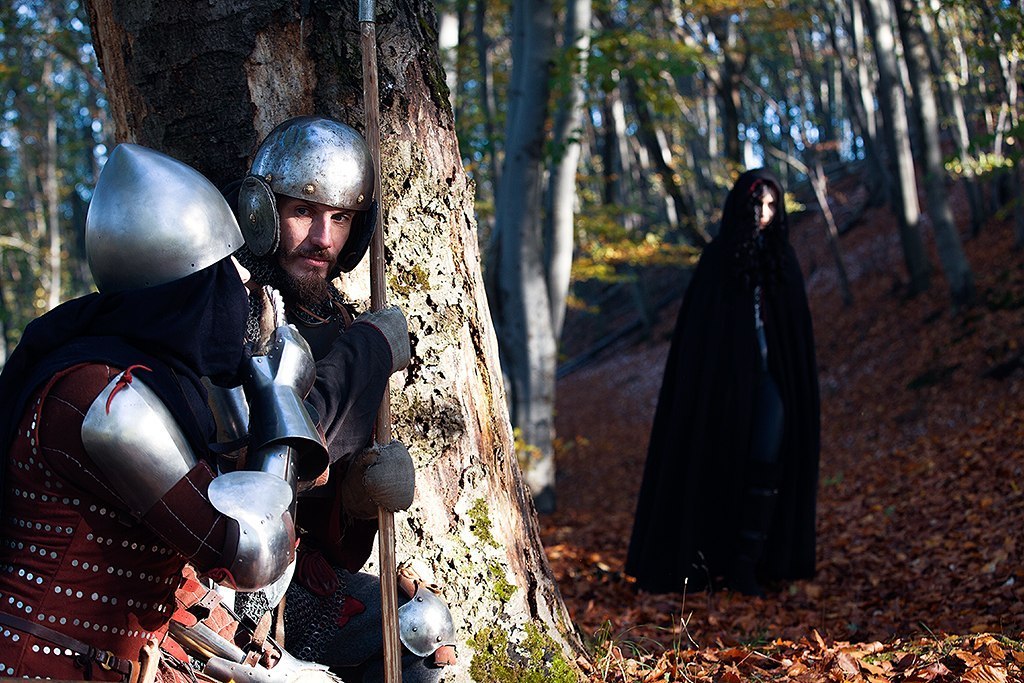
[(921, 494)]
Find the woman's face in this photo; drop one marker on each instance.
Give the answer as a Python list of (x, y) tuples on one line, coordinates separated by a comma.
[(764, 207)]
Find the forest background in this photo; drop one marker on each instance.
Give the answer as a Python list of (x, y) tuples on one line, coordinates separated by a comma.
[(601, 139)]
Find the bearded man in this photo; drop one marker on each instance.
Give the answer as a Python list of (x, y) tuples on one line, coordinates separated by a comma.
[(308, 210)]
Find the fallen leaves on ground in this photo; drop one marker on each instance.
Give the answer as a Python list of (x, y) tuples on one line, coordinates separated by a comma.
[(920, 496)]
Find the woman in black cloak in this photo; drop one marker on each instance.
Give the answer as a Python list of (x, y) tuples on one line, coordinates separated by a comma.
[(730, 483)]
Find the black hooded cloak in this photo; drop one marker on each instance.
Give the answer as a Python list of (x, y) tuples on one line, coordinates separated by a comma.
[(687, 516), (181, 330)]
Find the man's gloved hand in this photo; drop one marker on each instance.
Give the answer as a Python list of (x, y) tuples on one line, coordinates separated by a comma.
[(390, 321), (382, 476)]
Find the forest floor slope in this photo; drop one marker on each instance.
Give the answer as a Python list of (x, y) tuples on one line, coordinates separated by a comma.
[(921, 495)]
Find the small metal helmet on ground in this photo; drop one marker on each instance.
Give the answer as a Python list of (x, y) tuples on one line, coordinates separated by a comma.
[(154, 219), (317, 159)]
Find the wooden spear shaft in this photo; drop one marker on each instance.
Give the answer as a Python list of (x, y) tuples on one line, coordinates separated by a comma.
[(378, 299)]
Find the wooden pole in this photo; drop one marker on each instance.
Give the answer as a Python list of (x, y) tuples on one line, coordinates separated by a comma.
[(378, 299)]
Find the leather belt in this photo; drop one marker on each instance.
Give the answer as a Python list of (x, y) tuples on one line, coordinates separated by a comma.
[(105, 658)]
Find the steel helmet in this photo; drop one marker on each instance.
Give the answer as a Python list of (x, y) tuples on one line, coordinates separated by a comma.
[(312, 158), (154, 219)]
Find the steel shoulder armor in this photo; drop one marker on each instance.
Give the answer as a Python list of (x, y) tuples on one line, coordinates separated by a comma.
[(135, 441)]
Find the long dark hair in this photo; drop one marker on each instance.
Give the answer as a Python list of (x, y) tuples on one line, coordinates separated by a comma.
[(756, 253)]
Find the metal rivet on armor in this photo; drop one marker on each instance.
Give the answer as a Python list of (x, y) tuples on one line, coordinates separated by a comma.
[(309, 188), (415, 628), (269, 177), (359, 200), (85, 624)]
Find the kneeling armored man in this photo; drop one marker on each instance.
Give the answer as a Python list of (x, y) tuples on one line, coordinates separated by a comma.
[(109, 494)]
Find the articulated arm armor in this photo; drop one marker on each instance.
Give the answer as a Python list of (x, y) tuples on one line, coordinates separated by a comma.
[(135, 441), (285, 450)]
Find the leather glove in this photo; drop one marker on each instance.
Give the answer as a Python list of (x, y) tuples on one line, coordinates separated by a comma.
[(390, 322), (382, 476)]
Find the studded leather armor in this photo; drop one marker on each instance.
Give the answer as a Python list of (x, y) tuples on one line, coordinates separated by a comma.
[(73, 559)]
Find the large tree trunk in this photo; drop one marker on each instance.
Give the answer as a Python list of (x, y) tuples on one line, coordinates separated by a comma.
[(892, 103), (926, 107), (566, 139), (879, 180), (486, 89), (949, 80), (205, 83), (522, 312), (727, 85)]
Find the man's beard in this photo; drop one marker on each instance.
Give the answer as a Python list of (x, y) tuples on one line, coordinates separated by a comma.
[(310, 290)]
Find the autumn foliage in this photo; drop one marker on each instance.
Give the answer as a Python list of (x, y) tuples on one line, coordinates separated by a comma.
[(920, 497)]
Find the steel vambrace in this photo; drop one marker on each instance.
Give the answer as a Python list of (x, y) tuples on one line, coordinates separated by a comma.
[(283, 438)]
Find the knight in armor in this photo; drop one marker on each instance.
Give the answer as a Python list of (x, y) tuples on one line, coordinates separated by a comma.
[(729, 487), (308, 210), (111, 507)]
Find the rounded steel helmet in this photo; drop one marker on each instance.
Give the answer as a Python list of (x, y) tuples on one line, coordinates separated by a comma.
[(312, 158), (154, 219)]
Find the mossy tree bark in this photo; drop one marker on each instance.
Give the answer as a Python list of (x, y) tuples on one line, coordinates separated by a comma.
[(204, 82)]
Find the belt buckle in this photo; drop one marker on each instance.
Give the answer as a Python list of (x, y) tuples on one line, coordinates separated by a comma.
[(106, 659)]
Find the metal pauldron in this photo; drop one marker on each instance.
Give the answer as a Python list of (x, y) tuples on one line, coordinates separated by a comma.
[(133, 438)]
